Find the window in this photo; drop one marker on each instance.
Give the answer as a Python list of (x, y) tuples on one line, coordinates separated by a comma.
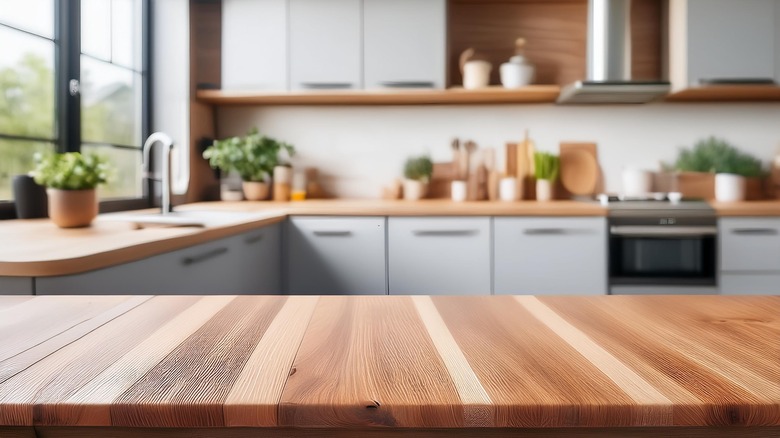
[(97, 46)]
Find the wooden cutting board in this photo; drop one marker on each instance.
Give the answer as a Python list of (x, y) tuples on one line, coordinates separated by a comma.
[(571, 152)]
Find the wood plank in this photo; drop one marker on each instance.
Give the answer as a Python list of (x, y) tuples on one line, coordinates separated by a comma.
[(34, 393), (368, 361), (489, 95), (534, 378), (8, 301), (90, 406), (622, 432), (726, 93), (188, 388), (701, 395), (17, 432), (48, 331), (254, 398)]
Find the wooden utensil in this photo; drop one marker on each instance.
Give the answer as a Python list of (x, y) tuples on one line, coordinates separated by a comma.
[(456, 159), (525, 167), (579, 172)]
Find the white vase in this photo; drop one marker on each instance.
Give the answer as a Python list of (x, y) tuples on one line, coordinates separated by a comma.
[(544, 190), (729, 187), (414, 190)]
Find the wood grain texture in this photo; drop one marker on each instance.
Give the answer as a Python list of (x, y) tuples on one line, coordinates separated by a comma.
[(451, 96), (727, 93), (225, 366)]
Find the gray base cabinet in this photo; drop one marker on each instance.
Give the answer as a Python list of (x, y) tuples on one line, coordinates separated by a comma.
[(336, 255), (749, 256), (439, 256), (242, 264), (16, 286), (550, 256)]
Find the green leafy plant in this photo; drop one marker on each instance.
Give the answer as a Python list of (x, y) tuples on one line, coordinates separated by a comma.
[(418, 168), (71, 170), (546, 166), (718, 156), (253, 157)]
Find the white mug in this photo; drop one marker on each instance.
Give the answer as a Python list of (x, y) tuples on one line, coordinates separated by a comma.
[(476, 74)]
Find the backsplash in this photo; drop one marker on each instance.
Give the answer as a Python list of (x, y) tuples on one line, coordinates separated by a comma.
[(358, 149)]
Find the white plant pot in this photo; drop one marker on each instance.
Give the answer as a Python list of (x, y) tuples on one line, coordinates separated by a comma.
[(544, 190), (729, 187), (414, 190), (256, 191)]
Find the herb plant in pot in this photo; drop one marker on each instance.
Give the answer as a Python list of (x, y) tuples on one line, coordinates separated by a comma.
[(253, 157), (730, 166), (417, 174), (71, 180), (546, 166)]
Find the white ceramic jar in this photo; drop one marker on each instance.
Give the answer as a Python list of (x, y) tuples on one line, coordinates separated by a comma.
[(729, 187), (458, 190), (476, 74), (516, 73), (637, 182)]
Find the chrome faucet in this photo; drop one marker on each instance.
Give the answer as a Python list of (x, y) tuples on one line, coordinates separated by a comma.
[(167, 144)]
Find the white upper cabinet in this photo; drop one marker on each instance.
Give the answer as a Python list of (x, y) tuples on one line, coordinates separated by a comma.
[(254, 45), (325, 44), (404, 43), (723, 39)]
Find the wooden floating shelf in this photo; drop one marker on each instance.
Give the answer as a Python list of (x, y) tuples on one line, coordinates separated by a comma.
[(452, 96), (727, 93)]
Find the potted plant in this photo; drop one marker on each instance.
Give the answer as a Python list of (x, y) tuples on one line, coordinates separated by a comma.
[(730, 166), (546, 166), (417, 174), (253, 157), (70, 180)]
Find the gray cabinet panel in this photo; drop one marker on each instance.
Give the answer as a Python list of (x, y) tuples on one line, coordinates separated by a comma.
[(257, 261), (731, 39), (750, 284), (749, 244), (254, 44), (336, 255), (404, 41), (325, 44), (16, 286), (550, 256), (439, 256)]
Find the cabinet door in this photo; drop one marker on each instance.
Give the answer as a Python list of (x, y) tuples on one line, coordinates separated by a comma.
[(201, 269), (750, 284), (254, 44), (749, 244), (550, 256), (336, 255), (439, 256), (731, 39), (404, 43), (257, 264), (16, 286), (325, 41)]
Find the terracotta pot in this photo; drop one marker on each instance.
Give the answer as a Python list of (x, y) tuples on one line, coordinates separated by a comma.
[(72, 208), (255, 190)]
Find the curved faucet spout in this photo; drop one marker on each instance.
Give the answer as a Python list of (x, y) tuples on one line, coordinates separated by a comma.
[(167, 143)]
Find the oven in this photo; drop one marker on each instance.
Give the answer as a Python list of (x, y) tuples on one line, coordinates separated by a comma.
[(663, 252)]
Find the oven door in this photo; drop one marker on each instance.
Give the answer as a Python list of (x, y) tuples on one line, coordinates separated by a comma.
[(662, 255)]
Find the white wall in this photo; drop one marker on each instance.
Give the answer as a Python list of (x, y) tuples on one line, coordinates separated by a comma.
[(358, 149)]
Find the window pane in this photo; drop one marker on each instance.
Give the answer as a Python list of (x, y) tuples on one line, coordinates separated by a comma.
[(17, 160), (36, 16), (126, 180), (26, 85), (126, 33), (110, 103), (96, 28)]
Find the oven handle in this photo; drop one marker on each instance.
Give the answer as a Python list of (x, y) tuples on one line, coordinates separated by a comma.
[(663, 231)]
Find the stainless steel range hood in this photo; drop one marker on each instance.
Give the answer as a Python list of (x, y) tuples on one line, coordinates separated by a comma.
[(609, 60)]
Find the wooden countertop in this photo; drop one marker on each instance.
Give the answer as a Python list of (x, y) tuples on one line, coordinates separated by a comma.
[(37, 248), (622, 365)]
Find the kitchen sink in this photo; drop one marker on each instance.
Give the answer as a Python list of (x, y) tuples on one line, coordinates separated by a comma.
[(187, 218)]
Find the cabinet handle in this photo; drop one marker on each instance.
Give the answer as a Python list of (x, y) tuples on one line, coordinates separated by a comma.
[(253, 239), (554, 231), (332, 233), (326, 85), (445, 233), (407, 84), (191, 260), (662, 231), (755, 231)]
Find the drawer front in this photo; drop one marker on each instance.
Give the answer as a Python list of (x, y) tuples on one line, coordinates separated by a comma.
[(749, 244), (439, 256), (336, 255), (550, 256), (257, 263), (750, 284)]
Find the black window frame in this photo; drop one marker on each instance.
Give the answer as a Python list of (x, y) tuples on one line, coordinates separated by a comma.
[(67, 67)]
